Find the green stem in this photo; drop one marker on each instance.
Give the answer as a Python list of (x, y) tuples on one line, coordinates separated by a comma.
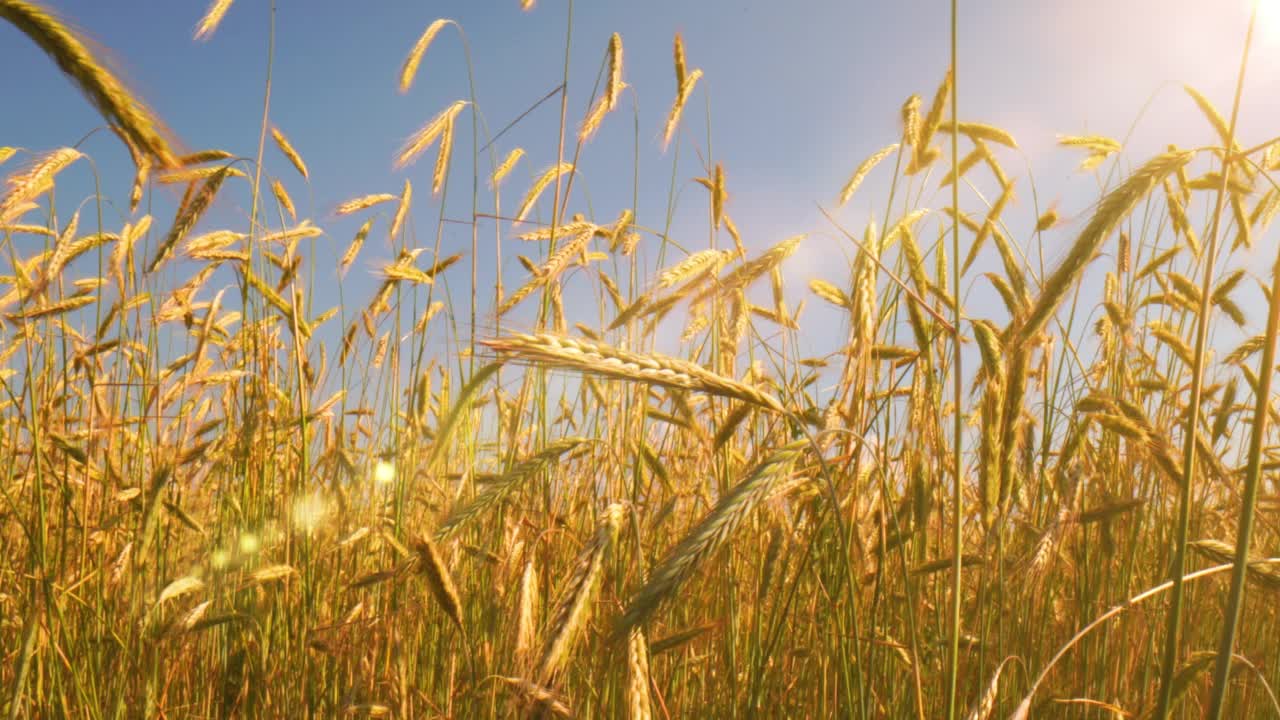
[(1174, 624), (957, 499)]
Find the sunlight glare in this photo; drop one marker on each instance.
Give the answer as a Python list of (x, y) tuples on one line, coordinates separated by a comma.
[(1268, 21)]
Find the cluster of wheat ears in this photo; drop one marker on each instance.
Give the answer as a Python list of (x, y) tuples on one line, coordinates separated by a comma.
[(245, 503)]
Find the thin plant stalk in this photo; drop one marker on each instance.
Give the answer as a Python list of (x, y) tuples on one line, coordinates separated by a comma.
[(1173, 628)]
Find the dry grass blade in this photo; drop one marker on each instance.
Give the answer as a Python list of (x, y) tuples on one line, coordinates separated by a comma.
[(439, 579), (709, 535), (600, 359), (212, 18), (410, 68), (104, 90), (570, 614)]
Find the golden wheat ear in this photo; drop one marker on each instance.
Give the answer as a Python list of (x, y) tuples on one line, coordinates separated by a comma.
[(107, 93)]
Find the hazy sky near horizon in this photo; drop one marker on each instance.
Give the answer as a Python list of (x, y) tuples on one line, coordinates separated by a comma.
[(798, 94)]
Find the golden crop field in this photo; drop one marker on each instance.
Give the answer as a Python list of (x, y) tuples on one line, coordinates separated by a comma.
[(231, 486)]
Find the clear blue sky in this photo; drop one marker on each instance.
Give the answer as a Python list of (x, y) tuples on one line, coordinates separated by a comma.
[(799, 93)]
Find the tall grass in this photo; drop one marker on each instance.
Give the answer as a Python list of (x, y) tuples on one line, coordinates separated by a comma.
[(268, 500)]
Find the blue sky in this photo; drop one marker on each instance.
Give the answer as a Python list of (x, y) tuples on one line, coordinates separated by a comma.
[(799, 93)]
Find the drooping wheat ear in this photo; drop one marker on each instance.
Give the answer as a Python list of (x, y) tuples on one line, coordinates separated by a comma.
[(978, 132), (987, 702), (353, 249), (1115, 206), (600, 359), (709, 535), (1212, 115), (678, 52), (100, 87), (932, 121), (439, 580), (537, 696), (506, 167), (911, 120), (860, 174), (613, 88), (402, 210), (363, 203), (639, 704), (1099, 147), (547, 177), (748, 272), (428, 134), (696, 263), (411, 63), (570, 614), (212, 18), (282, 196), (718, 195), (500, 488), (682, 97), (526, 616), (288, 150), (1259, 570), (442, 159), (139, 181), (27, 186), (188, 217), (547, 275)]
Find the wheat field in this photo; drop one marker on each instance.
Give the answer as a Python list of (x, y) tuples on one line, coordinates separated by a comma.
[(232, 487)]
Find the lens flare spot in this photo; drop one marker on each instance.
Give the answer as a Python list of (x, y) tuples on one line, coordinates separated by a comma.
[(309, 513), (384, 473), (249, 543)]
